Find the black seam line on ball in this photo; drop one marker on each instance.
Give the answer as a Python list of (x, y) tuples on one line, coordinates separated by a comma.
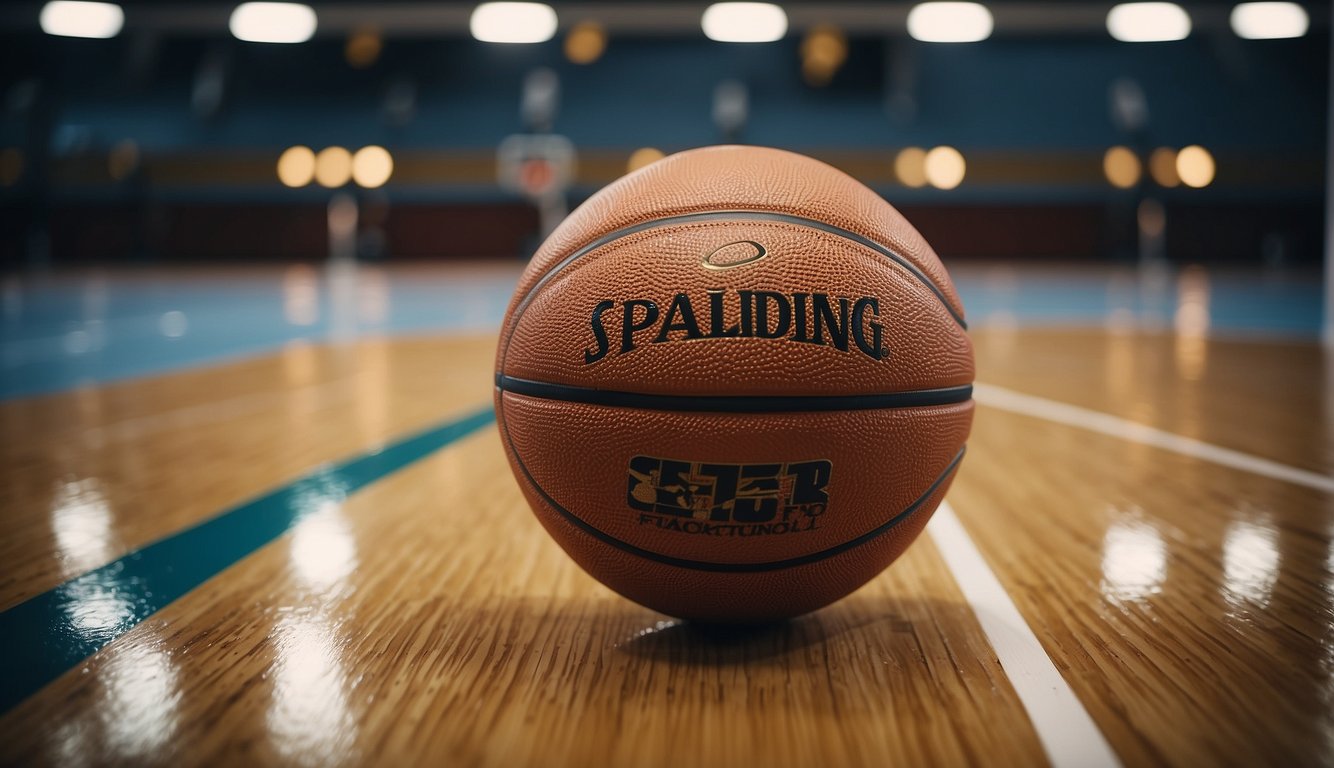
[(776, 565), (734, 403), (743, 216)]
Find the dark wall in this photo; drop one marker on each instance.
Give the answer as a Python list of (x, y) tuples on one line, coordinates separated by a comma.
[(87, 233), (93, 232)]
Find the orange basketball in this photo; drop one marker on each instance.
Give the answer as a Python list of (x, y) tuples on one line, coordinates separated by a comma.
[(735, 384)]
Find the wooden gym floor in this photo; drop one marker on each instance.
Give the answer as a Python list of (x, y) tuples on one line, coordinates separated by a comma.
[(1134, 565)]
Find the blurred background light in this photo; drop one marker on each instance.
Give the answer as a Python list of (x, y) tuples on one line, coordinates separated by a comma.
[(1163, 167), (273, 22), (910, 167), (363, 47), (513, 22), (585, 42), (744, 22), (1148, 22), (1195, 166), (333, 167), (123, 160), (642, 157), (1122, 167), (944, 167), (296, 166), (1269, 21), (11, 166), (73, 18), (372, 166), (950, 22), (823, 51)]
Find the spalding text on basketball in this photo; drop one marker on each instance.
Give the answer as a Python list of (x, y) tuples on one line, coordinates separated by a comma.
[(728, 499), (838, 322)]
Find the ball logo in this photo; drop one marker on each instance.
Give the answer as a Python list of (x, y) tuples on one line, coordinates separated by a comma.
[(845, 323), (735, 254), (728, 499)]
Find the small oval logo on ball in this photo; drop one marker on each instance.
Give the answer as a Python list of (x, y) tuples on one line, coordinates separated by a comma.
[(734, 254)]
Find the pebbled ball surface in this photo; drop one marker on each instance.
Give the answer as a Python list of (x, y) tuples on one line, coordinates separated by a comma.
[(721, 226)]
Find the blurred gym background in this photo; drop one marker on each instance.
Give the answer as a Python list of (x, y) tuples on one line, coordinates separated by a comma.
[(181, 182)]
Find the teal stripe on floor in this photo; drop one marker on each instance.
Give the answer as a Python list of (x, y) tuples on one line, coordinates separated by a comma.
[(56, 630)]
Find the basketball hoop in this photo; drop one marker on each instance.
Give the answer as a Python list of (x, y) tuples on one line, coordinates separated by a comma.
[(537, 177), (538, 166)]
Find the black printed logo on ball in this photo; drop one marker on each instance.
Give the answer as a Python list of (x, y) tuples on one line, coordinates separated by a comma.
[(737, 254), (844, 323), (728, 499)]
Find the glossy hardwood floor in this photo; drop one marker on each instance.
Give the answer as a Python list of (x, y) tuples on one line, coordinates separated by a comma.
[(427, 618)]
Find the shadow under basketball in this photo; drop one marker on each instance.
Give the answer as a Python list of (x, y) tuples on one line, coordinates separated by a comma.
[(695, 643)]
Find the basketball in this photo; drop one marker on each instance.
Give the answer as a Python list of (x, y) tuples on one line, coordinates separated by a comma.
[(558, 384), (734, 384)]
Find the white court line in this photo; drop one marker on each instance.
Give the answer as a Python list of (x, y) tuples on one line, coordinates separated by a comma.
[(1095, 421), (1068, 734), (214, 411)]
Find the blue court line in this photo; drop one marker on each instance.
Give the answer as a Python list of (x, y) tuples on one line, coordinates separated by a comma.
[(53, 632)]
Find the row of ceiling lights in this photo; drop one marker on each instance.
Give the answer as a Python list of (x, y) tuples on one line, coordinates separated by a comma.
[(527, 22), (942, 167), (1192, 166), (333, 167)]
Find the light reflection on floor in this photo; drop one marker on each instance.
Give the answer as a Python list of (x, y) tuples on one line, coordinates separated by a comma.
[(308, 717), (1134, 559), (81, 521), (1250, 561), (139, 717), (308, 714)]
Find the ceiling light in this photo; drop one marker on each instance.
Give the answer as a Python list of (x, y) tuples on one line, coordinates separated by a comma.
[(1269, 21), (744, 22), (68, 18), (1148, 22), (950, 22), (273, 22), (513, 22)]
